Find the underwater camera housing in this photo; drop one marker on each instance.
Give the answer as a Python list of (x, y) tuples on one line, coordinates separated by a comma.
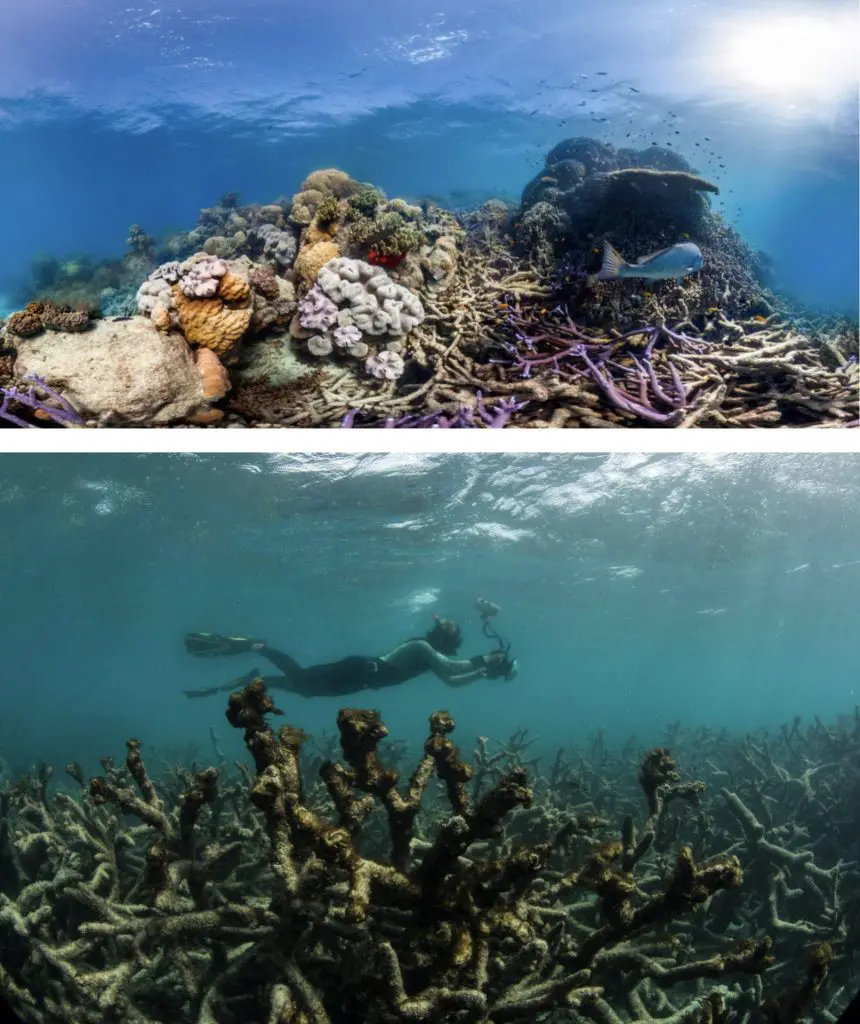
[(488, 610)]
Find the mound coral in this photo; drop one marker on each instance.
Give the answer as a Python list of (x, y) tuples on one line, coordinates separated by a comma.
[(214, 302), (277, 245), (589, 189), (331, 181), (313, 258), (39, 316)]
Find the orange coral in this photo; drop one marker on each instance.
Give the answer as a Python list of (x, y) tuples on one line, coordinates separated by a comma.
[(206, 416), (313, 258), (213, 375), (234, 288), (209, 323)]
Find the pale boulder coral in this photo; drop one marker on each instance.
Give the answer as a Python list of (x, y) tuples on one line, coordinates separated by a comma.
[(125, 372)]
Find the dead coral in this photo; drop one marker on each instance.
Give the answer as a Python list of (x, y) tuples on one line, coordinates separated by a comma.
[(188, 914)]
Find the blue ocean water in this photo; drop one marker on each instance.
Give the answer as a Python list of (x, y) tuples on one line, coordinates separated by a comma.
[(112, 113), (635, 590)]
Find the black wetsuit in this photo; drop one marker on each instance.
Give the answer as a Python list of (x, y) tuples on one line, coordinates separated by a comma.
[(337, 678)]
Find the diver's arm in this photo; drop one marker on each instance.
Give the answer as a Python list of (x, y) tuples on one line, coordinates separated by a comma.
[(467, 677), (447, 669)]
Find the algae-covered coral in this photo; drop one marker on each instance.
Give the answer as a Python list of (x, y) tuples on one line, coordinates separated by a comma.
[(504, 302), (698, 886)]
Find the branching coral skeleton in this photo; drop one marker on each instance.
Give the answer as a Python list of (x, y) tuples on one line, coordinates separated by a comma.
[(277, 898)]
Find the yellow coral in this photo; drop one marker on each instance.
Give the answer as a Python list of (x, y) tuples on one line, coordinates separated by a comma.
[(313, 233), (234, 288), (209, 323), (313, 258)]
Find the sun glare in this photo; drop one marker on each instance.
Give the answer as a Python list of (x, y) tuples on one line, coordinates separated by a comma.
[(794, 57)]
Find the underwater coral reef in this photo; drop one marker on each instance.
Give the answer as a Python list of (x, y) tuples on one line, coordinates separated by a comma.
[(341, 306), (716, 881)]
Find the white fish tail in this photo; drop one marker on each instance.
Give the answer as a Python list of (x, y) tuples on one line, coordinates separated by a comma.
[(613, 264)]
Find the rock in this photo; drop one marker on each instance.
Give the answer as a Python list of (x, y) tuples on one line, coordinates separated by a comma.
[(119, 372)]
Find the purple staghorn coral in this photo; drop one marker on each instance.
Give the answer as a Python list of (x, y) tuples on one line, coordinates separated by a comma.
[(564, 348), (466, 417), (63, 412)]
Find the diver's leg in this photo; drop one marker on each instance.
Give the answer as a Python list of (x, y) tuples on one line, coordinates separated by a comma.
[(234, 684), (283, 662)]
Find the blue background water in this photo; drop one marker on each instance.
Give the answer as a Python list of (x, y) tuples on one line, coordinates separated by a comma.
[(636, 590), (113, 113)]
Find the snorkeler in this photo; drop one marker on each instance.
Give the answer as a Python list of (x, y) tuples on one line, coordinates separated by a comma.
[(435, 652)]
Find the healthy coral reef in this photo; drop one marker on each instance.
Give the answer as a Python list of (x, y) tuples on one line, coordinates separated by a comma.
[(500, 301), (318, 890)]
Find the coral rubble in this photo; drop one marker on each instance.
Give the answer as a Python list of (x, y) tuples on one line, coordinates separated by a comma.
[(322, 891)]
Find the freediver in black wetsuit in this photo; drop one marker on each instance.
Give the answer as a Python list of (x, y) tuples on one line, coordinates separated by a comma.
[(435, 653)]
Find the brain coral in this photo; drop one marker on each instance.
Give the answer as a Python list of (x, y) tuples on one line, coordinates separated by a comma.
[(376, 305)]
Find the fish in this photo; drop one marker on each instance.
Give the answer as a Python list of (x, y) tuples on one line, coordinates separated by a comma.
[(630, 87), (673, 263)]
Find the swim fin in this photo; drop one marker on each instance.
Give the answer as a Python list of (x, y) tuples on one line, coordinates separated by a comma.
[(234, 684), (213, 645)]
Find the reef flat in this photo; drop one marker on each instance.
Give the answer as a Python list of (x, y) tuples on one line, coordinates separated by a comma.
[(339, 306), (713, 879)]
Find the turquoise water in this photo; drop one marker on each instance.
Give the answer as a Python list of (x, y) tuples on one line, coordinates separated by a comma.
[(635, 590), (650, 600), (113, 114)]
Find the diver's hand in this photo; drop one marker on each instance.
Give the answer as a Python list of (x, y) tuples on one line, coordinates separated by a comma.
[(495, 664)]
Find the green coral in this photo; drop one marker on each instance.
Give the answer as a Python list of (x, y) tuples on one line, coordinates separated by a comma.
[(364, 203), (328, 211), (390, 234)]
